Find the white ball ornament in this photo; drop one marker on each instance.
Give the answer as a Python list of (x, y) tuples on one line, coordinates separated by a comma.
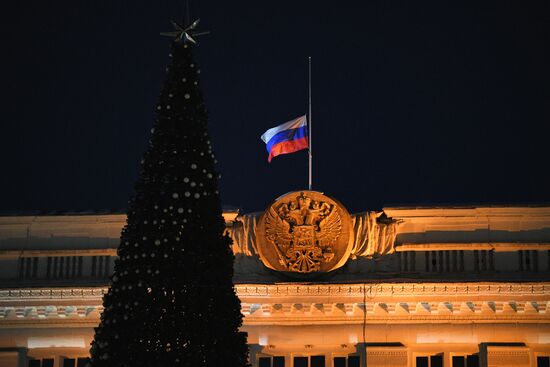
[(180, 210), (209, 175), (187, 96), (193, 166), (193, 184), (175, 195), (186, 179), (197, 195), (187, 194), (157, 242)]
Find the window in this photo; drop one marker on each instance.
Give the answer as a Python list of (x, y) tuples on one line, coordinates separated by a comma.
[(76, 362), (349, 361), (311, 361), (430, 361), (466, 361), (317, 361), (271, 361), (543, 361), (301, 362), (46, 362)]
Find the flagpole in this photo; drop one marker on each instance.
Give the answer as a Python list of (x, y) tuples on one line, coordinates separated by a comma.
[(309, 123)]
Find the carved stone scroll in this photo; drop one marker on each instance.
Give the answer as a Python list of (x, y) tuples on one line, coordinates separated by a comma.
[(375, 234)]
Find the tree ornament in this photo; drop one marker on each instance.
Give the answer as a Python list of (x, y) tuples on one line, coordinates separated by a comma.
[(185, 34)]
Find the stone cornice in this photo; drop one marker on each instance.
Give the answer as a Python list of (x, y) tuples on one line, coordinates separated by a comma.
[(492, 246), (482, 289), (314, 304), (13, 254), (58, 294), (416, 290)]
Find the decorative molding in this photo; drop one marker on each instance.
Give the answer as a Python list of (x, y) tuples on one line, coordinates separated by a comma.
[(508, 356), (387, 357), (58, 294), (496, 246), (14, 254), (50, 312), (507, 289), (401, 311), (321, 304), (380, 290)]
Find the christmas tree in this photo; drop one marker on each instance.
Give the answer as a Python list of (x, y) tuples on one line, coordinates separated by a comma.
[(171, 301)]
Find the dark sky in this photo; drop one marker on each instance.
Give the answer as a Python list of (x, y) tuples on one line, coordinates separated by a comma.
[(413, 103)]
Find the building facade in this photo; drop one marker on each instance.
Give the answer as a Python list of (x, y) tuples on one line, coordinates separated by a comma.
[(406, 286)]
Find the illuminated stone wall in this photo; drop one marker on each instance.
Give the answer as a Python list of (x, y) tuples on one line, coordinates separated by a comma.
[(457, 284)]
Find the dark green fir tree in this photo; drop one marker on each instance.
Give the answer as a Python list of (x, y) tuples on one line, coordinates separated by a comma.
[(171, 301)]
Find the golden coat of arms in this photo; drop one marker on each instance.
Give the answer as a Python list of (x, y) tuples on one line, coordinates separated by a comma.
[(304, 232)]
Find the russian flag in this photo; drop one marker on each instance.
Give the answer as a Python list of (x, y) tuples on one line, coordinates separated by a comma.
[(287, 138)]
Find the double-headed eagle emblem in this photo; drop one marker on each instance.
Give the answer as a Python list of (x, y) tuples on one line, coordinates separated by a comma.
[(303, 232)]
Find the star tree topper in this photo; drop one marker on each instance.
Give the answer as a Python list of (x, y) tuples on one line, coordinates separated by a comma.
[(184, 34)]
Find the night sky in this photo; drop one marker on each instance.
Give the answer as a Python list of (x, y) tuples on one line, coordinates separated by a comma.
[(414, 103)]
